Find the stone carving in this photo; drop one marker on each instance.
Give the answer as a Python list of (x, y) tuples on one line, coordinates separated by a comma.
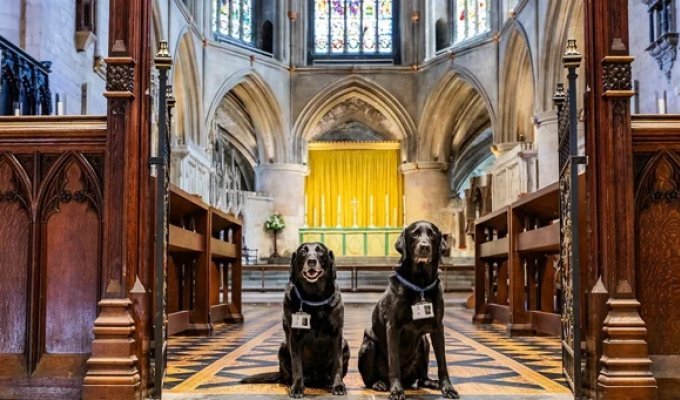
[(120, 77)]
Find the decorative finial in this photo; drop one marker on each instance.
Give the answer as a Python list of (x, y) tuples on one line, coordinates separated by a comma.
[(571, 58), (560, 95), (162, 57)]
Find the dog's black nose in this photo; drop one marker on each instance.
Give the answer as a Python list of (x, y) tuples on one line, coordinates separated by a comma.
[(425, 247), (311, 262)]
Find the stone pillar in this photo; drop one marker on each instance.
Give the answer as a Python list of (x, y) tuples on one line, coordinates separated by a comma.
[(285, 183), (426, 191), (546, 142)]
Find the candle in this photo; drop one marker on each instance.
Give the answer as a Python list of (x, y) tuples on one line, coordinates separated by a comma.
[(60, 108), (305, 211), (661, 105)]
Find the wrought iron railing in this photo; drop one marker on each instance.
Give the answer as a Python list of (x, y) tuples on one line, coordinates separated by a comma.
[(24, 82)]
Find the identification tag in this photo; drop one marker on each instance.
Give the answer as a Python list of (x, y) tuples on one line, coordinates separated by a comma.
[(301, 320), (422, 311)]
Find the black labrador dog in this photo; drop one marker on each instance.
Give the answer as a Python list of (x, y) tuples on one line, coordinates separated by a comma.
[(395, 350), (314, 351)]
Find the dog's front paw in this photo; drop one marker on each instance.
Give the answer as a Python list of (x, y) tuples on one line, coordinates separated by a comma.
[(397, 394), (428, 384), (297, 392), (339, 390), (448, 391), (380, 386)]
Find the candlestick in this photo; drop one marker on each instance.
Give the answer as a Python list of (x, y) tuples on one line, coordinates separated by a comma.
[(354, 203), (387, 210), (304, 225), (339, 222), (323, 212)]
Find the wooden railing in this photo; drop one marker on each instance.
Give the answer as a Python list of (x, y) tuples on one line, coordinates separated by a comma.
[(52, 181), (204, 265), (516, 253), (24, 82)]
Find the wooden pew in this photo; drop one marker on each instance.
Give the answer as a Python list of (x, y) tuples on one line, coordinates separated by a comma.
[(517, 247), (204, 253)]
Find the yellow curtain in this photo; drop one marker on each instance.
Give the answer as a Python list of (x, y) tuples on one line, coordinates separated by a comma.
[(342, 178)]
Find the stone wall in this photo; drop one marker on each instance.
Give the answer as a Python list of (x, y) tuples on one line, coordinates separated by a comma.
[(47, 33)]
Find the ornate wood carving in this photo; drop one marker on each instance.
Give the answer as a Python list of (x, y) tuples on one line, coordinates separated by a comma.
[(72, 184), (120, 75), (617, 76), (658, 222), (624, 365)]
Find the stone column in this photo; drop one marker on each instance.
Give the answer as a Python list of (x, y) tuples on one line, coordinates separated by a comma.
[(285, 183), (426, 191), (547, 144)]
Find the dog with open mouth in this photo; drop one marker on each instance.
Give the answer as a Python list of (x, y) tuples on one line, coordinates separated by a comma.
[(314, 352), (395, 353)]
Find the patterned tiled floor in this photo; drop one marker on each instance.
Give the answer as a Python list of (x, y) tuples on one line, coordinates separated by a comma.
[(481, 361)]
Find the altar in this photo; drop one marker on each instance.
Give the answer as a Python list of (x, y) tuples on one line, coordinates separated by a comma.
[(354, 200), (358, 242)]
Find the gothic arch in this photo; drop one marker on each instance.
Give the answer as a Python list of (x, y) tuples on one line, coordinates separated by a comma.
[(455, 112), (358, 99), (186, 86), (517, 90), (259, 106), (564, 20)]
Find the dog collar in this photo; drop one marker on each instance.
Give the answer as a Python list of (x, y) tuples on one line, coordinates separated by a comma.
[(416, 288), (312, 303)]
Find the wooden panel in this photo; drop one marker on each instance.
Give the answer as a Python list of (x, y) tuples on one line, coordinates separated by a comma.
[(499, 313), (658, 207), (495, 248), (184, 240), (71, 265), (545, 239), (220, 248), (548, 323), (178, 322), (14, 262)]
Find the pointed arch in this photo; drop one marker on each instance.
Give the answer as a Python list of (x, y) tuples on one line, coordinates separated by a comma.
[(186, 88), (564, 20), (517, 89), (263, 110), (339, 102), (455, 112)]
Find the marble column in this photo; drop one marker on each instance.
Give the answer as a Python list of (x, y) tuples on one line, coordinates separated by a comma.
[(426, 191), (285, 184)]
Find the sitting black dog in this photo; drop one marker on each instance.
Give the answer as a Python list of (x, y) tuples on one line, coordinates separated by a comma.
[(395, 349), (314, 352)]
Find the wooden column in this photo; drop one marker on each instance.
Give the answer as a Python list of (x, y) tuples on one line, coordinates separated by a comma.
[(625, 365), (113, 369)]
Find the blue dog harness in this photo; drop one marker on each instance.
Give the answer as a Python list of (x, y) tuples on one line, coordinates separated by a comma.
[(416, 288), (312, 303)]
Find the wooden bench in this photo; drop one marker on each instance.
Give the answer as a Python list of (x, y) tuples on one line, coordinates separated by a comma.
[(517, 247), (354, 271)]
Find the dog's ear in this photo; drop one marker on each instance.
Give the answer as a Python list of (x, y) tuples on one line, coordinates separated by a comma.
[(400, 245), (293, 257), (334, 268)]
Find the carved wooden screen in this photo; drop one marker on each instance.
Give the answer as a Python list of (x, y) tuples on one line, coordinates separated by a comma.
[(658, 253), (566, 280), (51, 255)]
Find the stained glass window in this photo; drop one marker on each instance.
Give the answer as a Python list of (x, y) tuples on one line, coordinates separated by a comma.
[(353, 27), (471, 18), (234, 20)]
